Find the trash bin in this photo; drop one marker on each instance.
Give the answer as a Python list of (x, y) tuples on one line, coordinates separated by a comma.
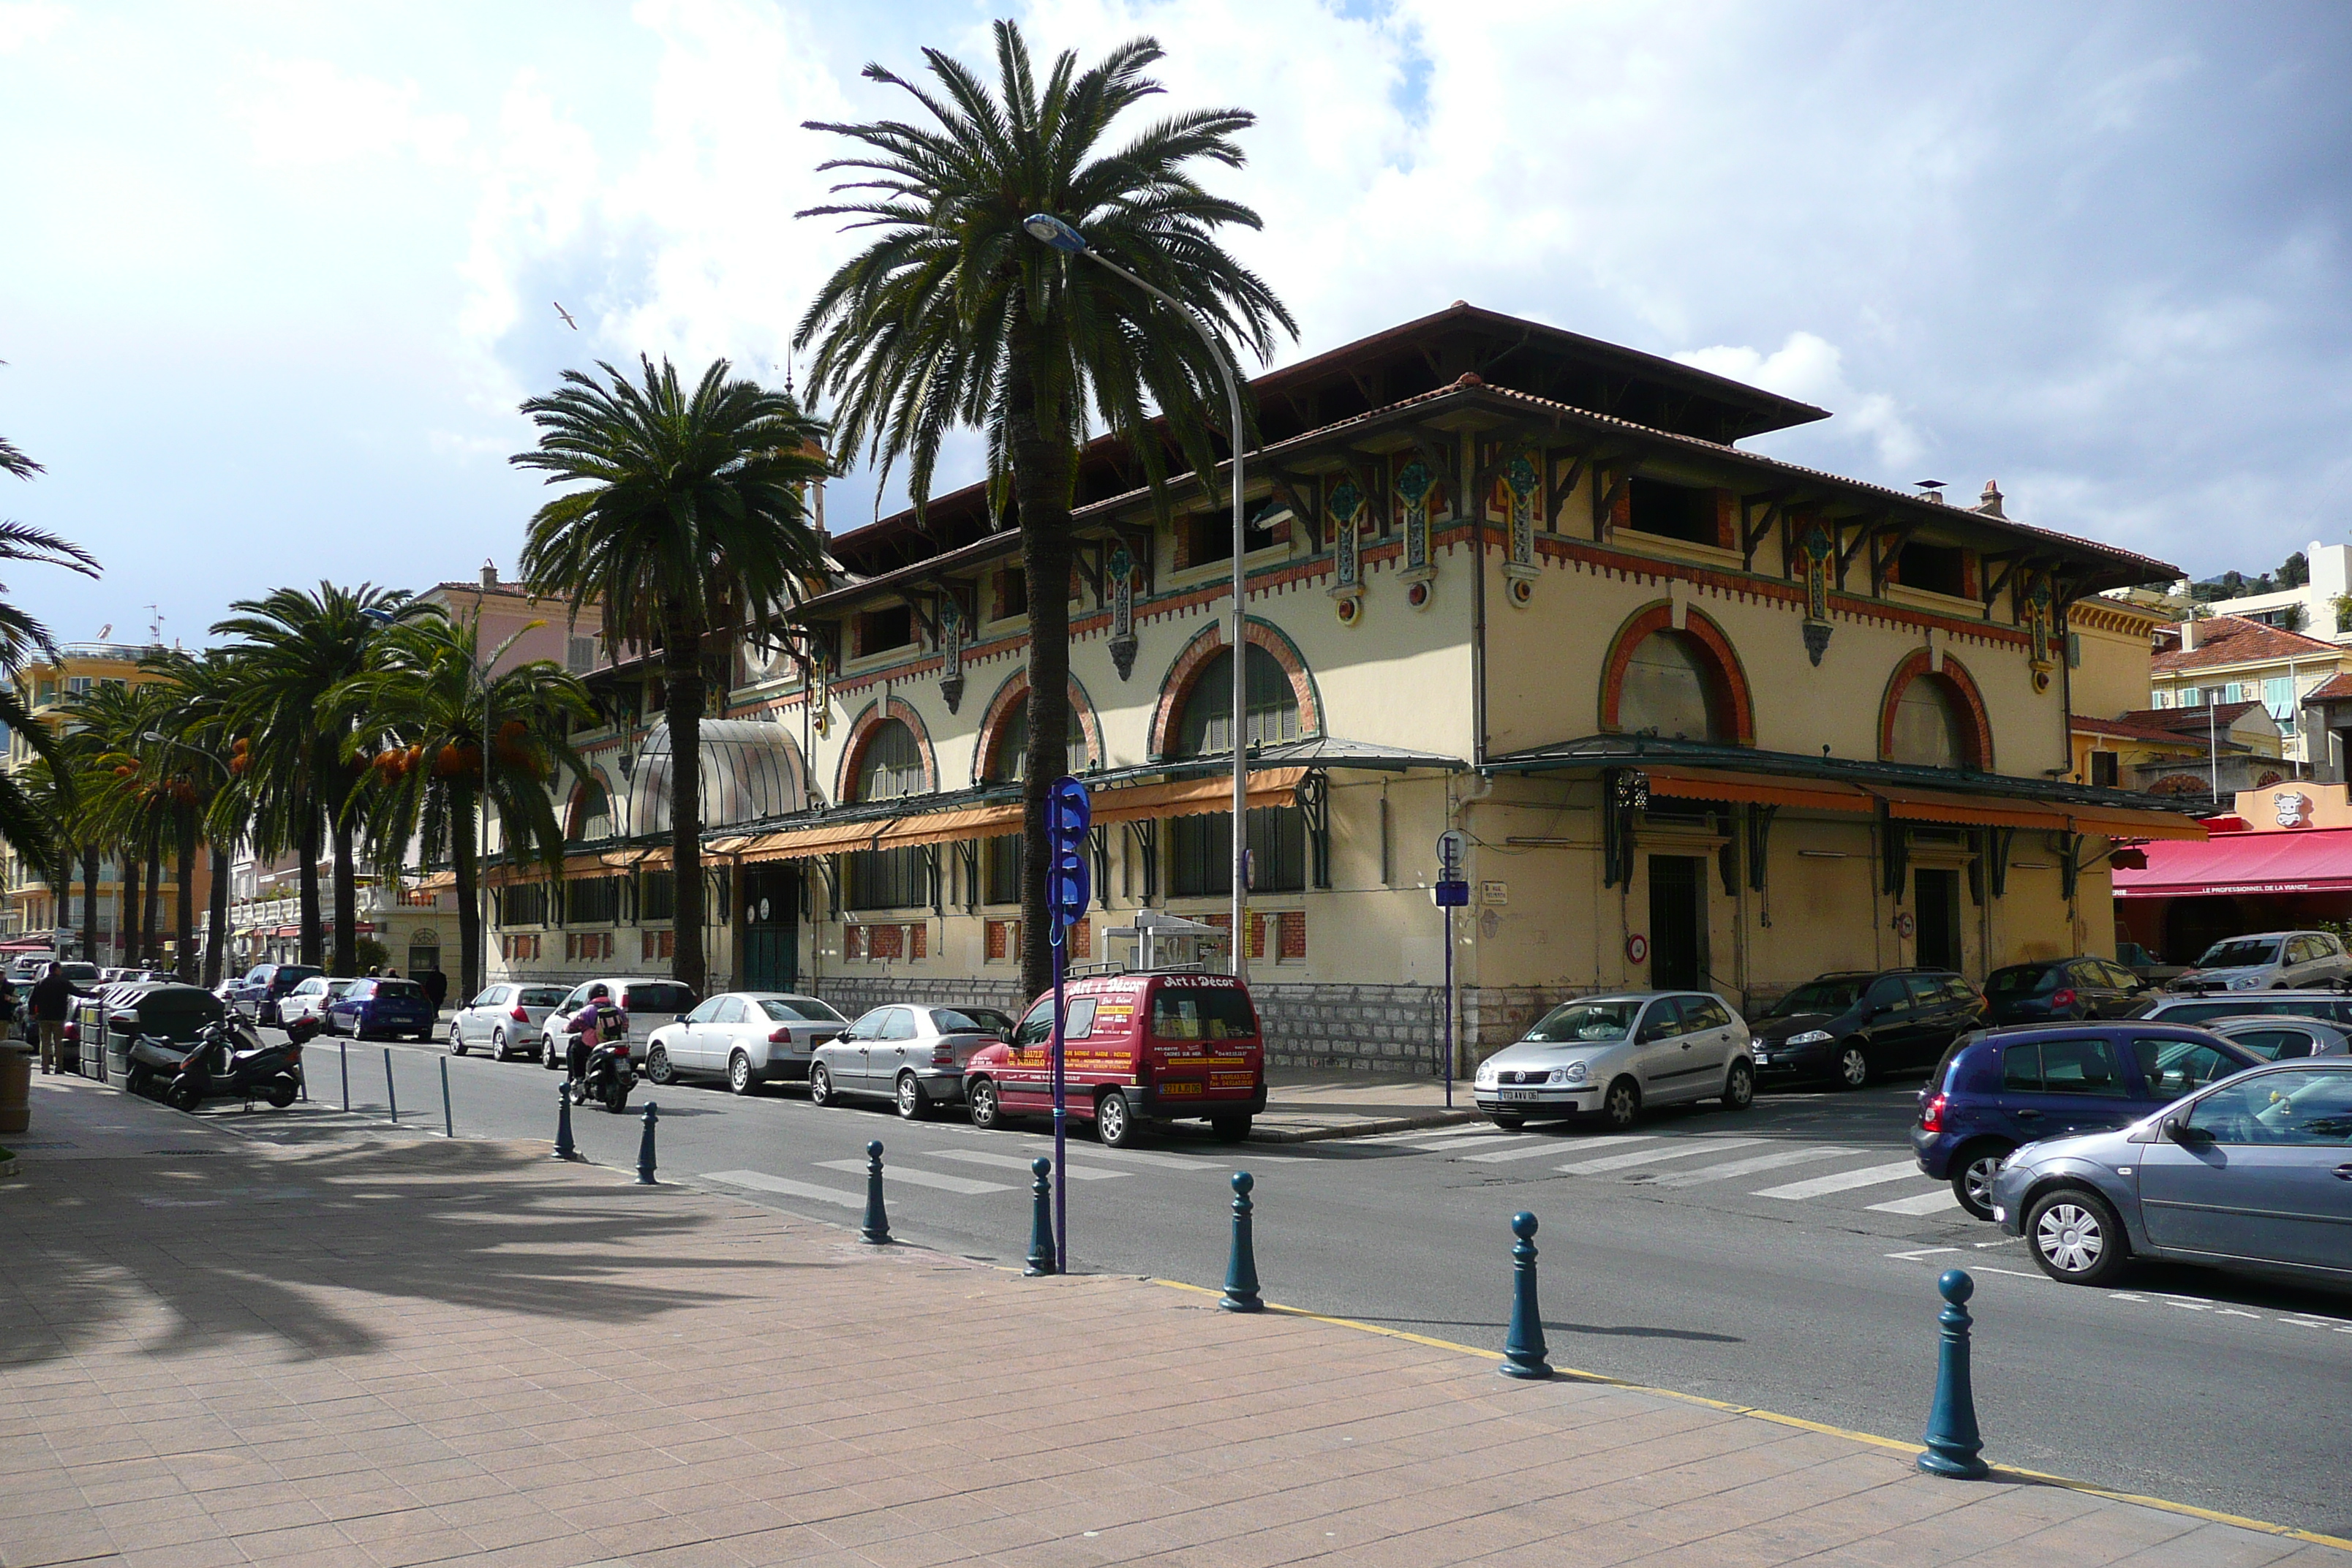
[(15, 1086)]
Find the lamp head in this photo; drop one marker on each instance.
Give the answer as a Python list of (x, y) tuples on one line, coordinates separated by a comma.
[(156, 737), (1050, 230)]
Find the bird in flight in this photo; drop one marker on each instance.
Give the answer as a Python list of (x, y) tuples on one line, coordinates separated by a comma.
[(566, 315)]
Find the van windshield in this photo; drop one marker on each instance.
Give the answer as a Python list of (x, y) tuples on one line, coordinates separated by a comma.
[(1573, 1022), (656, 996), (1204, 1015)]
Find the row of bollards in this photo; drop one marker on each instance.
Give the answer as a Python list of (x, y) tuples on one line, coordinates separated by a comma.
[(1954, 1445)]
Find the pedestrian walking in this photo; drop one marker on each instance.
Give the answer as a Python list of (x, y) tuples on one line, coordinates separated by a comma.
[(7, 1009), (52, 996), (437, 986)]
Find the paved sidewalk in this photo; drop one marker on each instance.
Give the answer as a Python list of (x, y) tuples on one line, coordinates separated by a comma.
[(394, 1353), (1304, 1103)]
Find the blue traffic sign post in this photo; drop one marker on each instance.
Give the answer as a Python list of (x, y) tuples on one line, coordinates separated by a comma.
[(1451, 893), (1068, 815)]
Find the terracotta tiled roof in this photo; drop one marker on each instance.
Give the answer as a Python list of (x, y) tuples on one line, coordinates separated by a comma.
[(2234, 639), (2128, 730), (2185, 721), (2338, 687)]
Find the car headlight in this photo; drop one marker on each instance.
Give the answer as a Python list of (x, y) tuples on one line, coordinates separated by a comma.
[(2246, 983), (1486, 1078), (1810, 1037), (1574, 1072)]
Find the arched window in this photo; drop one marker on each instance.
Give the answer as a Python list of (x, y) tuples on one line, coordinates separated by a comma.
[(1205, 727), (892, 764), (1010, 758), (1927, 729), (592, 815), (1666, 690)]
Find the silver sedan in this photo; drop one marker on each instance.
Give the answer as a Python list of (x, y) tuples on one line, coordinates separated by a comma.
[(912, 1057), (749, 1037), (504, 1020)]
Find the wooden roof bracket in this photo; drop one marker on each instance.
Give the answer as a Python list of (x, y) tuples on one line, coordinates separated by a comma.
[(1846, 552), (919, 605), (1605, 503), (965, 594), (1753, 534), (1556, 490), (2010, 562), (1885, 545), (1293, 491)]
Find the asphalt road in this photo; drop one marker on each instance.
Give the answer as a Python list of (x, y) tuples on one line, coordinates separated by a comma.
[(1777, 1257)]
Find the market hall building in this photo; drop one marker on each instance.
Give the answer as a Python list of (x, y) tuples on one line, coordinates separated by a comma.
[(1707, 719)]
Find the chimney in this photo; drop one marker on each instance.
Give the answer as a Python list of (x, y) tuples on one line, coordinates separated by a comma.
[(2189, 634), (489, 574), (1988, 503), (1930, 489)]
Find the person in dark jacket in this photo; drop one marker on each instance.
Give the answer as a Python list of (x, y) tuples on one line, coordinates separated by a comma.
[(52, 996), (599, 1020), (436, 987)]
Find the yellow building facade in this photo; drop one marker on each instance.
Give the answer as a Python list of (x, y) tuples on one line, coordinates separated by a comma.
[(1705, 719)]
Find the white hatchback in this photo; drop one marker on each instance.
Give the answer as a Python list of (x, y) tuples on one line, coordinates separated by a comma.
[(310, 999), (504, 1020), (749, 1036), (648, 1001)]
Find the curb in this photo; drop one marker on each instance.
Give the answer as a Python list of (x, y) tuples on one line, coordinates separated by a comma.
[(1362, 1129)]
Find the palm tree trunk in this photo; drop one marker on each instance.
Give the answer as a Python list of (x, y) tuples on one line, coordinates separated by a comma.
[(1041, 487), (347, 901), (128, 926), (314, 941), (682, 670), (89, 862), (184, 957), (217, 945), (152, 918), (469, 911)]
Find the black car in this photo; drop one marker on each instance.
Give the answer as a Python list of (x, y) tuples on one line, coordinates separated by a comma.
[(257, 995), (1850, 1028), (2063, 990)]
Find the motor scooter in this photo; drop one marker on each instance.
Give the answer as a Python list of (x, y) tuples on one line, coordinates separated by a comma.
[(228, 1062), (608, 1075)]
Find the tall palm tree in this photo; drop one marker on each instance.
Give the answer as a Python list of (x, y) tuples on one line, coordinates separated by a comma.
[(201, 692), (296, 648), (426, 711), (953, 316), (691, 524), (127, 792), (30, 819)]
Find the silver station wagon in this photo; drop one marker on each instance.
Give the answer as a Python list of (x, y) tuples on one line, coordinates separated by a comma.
[(1614, 1055), (504, 1020), (749, 1038)]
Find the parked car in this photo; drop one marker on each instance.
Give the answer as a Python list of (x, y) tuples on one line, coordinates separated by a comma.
[(2272, 961), (505, 1020), (1139, 1046), (380, 1006), (749, 1036), (2252, 1172), (913, 1056), (2145, 965), (2327, 1006), (1850, 1028), (2284, 1039), (311, 1000), (2000, 1089), (1610, 1056), (649, 1003), (257, 995), (2056, 989)]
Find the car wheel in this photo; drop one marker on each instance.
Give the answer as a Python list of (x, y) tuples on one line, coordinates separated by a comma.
[(820, 1086), (1506, 1121), (1739, 1087), (986, 1113), (1230, 1129), (548, 1057), (1853, 1067), (2075, 1236), (1622, 1104), (910, 1097), (1116, 1123), (498, 1044), (1973, 1169), (657, 1067), (739, 1073), (456, 1041)]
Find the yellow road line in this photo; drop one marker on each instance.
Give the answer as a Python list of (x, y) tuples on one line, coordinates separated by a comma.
[(2005, 1472)]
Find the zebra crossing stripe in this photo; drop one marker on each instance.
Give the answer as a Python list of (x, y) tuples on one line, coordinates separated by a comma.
[(1676, 1149), (1543, 1146), (1749, 1166), (1919, 1203), (911, 1177), (1015, 1163), (1843, 1181), (761, 1182)]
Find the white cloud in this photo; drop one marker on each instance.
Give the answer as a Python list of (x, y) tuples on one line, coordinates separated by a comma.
[(23, 22), (308, 114), (1811, 369)]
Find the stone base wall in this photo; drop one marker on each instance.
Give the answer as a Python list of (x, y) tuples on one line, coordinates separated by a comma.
[(853, 993)]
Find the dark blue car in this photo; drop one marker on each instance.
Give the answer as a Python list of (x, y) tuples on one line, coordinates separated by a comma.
[(1998, 1089), (393, 1007)]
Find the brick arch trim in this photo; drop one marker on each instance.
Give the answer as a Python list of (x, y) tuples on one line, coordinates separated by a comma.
[(861, 736), (1731, 706), (1960, 687), (1012, 690), (1184, 672), (576, 806)]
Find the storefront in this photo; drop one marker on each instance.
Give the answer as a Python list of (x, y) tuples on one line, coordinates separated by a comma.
[(2281, 861)]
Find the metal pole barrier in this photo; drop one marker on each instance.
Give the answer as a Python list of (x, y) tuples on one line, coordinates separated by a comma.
[(448, 1121), (391, 1090), (1241, 1269), (1955, 1447), (1449, 1006), (564, 1148), (1524, 1352), (1060, 1125), (877, 1229), (343, 1056), (645, 1146), (1041, 1219)]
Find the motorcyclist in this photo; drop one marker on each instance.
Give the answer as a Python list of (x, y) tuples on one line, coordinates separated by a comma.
[(599, 1021)]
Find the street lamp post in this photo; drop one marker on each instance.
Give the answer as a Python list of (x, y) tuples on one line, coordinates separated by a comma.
[(1053, 231)]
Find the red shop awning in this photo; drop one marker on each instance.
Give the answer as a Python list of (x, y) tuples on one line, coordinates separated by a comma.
[(2318, 860)]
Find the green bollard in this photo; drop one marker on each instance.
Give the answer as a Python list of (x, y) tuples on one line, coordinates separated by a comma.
[(645, 1146), (564, 1148), (1041, 1219), (877, 1229), (1241, 1269), (1523, 1346), (1954, 1445)]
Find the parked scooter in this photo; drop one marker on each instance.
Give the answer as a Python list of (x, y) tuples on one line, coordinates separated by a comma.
[(609, 1075), (228, 1062)]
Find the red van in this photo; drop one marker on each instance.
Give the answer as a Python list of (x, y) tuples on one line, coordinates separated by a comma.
[(1150, 1047)]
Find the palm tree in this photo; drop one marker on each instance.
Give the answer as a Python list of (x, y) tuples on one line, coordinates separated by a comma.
[(691, 524), (298, 647), (425, 712), (201, 692), (954, 315), (127, 793), (28, 819)]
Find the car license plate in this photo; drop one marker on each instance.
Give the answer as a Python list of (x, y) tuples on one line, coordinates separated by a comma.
[(1181, 1087), (1510, 1094)]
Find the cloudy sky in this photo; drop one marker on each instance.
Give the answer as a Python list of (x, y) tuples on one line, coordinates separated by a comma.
[(273, 276)]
